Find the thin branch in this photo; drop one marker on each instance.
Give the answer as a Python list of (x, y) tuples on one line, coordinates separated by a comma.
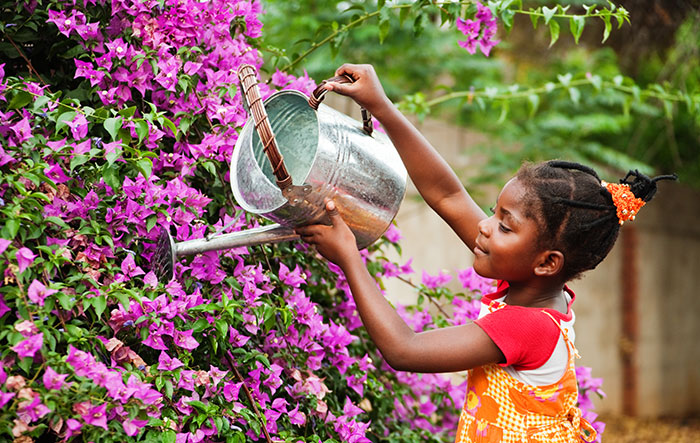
[(232, 363), (29, 63), (432, 300)]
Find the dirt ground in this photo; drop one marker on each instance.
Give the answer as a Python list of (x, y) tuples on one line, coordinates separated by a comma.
[(620, 429)]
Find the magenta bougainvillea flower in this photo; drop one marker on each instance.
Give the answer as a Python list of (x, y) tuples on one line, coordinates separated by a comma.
[(54, 380), (479, 32), (433, 281), (166, 363), (143, 145), (25, 257), (29, 346), (37, 292), (4, 243)]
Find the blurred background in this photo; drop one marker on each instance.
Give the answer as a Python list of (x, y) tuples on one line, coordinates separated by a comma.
[(637, 314)]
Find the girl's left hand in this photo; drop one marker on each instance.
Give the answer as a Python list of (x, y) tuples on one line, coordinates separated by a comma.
[(336, 243)]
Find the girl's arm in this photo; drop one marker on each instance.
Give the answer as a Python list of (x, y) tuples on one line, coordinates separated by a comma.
[(442, 350), (433, 177)]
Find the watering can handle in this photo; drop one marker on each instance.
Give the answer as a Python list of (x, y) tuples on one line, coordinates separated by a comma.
[(251, 93), (320, 93)]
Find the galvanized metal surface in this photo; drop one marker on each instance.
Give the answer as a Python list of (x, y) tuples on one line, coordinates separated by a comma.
[(328, 151), (274, 233)]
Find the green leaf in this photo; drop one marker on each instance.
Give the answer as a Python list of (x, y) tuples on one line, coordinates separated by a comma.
[(507, 18), (128, 112), (565, 79), (169, 388), (110, 173), (113, 156), (10, 229), (608, 27), (78, 160), (403, 15), (668, 109), (144, 166), (26, 364), (384, 25), (112, 125), (20, 100), (151, 222), (141, 129), (167, 123), (548, 14), (534, 101), (169, 437), (553, 32), (596, 81), (505, 107), (40, 102), (534, 18), (575, 95), (67, 302), (100, 304), (576, 24), (123, 298), (63, 118), (57, 221)]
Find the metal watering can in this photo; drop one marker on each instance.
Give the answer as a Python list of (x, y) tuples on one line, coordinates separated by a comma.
[(290, 158)]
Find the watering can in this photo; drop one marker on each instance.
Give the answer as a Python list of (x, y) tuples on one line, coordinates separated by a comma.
[(293, 155)]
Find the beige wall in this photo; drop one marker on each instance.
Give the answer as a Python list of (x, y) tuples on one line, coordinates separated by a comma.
[(669, 275)]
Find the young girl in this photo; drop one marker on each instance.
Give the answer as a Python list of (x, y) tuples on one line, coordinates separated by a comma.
[(551, 222)]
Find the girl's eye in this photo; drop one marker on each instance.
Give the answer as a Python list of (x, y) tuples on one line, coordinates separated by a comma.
[(493, 211), (503, 227)]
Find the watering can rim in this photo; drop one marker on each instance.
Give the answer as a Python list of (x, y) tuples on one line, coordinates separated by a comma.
[(250, 126)]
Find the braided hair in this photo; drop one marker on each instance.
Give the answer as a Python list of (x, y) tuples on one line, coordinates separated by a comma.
[(577, 213)]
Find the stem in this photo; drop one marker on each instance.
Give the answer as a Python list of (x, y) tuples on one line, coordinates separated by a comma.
[(232, 362), (315, 46), (438, 4), (432, 300), (29, 63), (544, 89)]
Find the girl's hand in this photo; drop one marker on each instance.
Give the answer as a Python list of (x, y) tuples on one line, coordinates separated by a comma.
[(336, 242), (367, 91)]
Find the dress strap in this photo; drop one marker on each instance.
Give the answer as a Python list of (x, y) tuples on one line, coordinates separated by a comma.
[(565, 334), (585, 430)]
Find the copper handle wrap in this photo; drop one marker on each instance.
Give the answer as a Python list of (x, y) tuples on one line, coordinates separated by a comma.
[(320, 93), (249, 83)]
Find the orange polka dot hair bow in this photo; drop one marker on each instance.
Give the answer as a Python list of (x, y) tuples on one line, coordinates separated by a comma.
[(625, 201)]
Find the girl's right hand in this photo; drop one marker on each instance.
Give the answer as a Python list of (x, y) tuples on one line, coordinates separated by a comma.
[(367, 91)]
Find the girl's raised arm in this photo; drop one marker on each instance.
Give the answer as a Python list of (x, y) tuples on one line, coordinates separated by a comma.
[(451, 349), (433, 177)]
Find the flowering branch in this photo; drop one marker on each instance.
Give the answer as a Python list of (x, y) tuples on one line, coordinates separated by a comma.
[(452, 11), (417, 103)]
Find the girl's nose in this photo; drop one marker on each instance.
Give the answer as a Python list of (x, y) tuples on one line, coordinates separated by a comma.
[(483, 227)]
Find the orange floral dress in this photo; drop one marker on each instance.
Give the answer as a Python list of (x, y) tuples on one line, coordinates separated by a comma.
[(499, 408)]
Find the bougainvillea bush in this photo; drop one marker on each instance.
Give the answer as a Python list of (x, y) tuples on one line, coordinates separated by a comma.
[(117, 119)]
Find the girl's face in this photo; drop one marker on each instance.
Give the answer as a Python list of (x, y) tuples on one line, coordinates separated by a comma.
[(506, 247)]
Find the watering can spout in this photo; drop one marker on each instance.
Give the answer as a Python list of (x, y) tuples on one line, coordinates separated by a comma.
[(167, 250)]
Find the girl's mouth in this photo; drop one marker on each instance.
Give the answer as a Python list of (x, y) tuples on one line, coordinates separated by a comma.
[(478, 250)]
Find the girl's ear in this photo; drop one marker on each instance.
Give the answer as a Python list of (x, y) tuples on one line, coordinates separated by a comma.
[(549, 263)]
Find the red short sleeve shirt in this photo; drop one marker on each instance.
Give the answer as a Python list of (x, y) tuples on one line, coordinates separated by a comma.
[(526, 336)]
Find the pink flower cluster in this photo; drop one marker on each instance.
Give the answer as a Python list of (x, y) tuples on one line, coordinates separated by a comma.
[(176, 61), (479, 32)]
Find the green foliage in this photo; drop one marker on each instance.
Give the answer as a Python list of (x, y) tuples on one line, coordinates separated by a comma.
[(562, 106)]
